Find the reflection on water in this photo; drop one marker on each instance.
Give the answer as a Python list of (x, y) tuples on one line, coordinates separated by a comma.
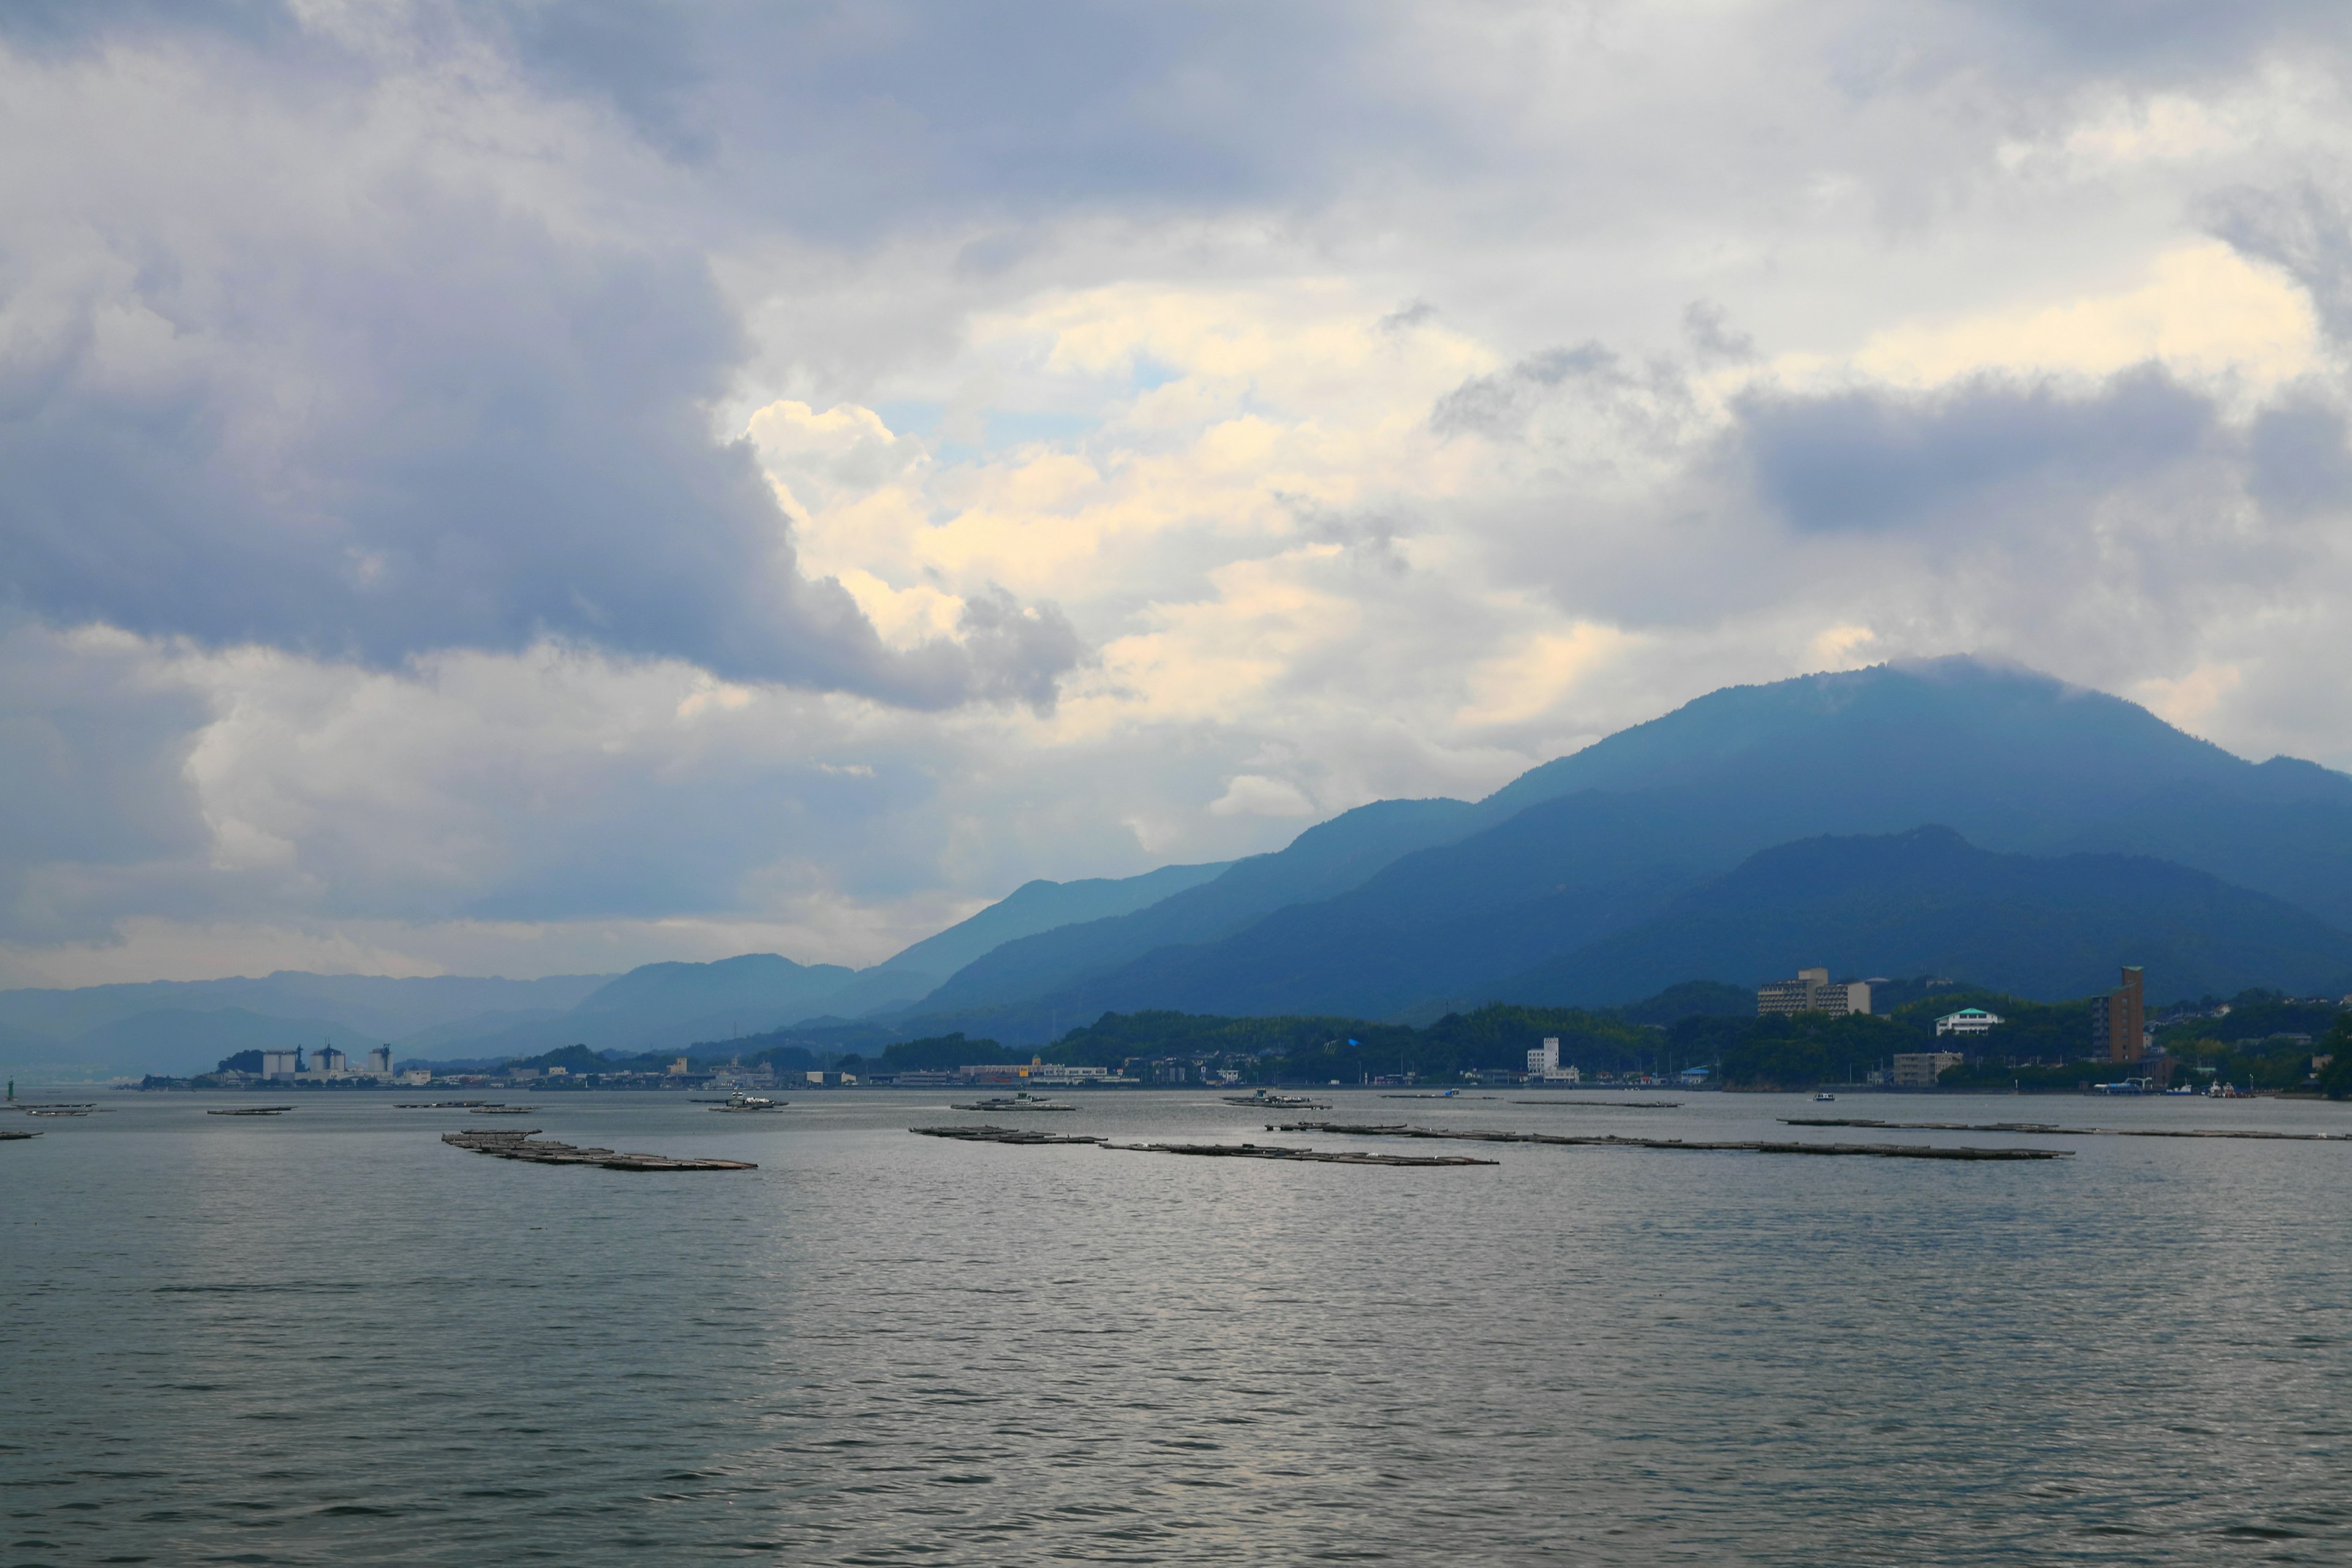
[(327, 1337)]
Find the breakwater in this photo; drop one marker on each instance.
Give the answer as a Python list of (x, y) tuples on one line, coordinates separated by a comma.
[(2051, 1130), (517, 1145), (1678, 1145)]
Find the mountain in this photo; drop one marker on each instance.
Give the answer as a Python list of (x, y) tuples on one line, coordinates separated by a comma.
[(1599, 841), (665, 1006), (1324, 861), (1042, 906), (1929, 902), (374, 1006), (179, 1040), (2010, 758)]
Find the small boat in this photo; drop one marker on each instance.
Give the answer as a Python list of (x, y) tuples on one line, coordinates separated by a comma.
[(1824, 1098), (740, 1101), (1283, 1101), (1017, 1102)]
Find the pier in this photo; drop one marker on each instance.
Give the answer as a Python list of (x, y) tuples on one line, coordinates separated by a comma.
[(1313, 1156), (517, 1145), (1024, 1135), (1677, 1145), (2052, 1130)]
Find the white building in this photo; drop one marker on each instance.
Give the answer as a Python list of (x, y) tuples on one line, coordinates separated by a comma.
[(1543, 1064), (1967, 1021)]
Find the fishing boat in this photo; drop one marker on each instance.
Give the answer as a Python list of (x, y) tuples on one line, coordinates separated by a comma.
[(1281, 1101), (742, 1101), (1824, 1098)]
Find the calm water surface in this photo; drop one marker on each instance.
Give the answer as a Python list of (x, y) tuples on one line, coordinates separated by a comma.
[(329, 1339)]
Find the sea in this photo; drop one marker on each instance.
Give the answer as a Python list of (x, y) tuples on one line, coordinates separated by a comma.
[(327, 1338)]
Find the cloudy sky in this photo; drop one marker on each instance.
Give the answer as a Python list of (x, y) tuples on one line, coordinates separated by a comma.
[(536, 487)]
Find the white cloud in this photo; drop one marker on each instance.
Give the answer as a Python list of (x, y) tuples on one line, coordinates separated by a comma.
[(1254, 794), (482, 498)]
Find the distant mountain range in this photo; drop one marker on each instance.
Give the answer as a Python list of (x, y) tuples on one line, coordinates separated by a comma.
[(1949, 816)]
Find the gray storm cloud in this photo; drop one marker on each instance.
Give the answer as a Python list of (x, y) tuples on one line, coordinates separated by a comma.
[(1877, 459), (372, 528), (364, 413)]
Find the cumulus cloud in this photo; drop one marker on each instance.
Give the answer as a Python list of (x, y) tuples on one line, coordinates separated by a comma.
[(547, 485), (316, 384)]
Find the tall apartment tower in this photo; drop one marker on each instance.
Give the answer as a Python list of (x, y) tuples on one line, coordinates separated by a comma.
[(1810, 992), (2119, 1018)]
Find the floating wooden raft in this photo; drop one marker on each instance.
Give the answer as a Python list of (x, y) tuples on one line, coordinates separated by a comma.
[(517, 1145), (2052, 1129), (1275, 1152), (1597, 1140), (253, 1110), (1002, 1135), (1607, 1104), (10, 1135)]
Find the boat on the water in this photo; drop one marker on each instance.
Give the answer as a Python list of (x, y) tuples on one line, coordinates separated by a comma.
[(1023, 1102), (1278, 1101), (1824, 1098), (740, 1101)]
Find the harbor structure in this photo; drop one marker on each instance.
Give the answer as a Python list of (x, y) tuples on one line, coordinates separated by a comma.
[(1035, 1071), (1811, 992), (2119, 1019)]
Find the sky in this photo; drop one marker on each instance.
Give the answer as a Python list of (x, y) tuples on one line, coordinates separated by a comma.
[(534, 488)]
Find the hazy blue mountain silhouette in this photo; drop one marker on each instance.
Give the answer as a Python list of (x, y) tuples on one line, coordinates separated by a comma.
[(177, 1041), (379, 1007), (664, 1006), (1042, 906), (1602, 841), (1929, 902), (1325, 860)]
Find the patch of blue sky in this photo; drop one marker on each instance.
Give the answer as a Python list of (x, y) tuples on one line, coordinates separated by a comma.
[(1003, 428), (1006, 429), (911, 418)]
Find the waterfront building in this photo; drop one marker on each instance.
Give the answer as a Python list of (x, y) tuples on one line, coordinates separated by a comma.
[(1920, 1069), (1810, 992), (1544, 1062), (1967, 1021), (282, 1064), (2119, 1020)]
